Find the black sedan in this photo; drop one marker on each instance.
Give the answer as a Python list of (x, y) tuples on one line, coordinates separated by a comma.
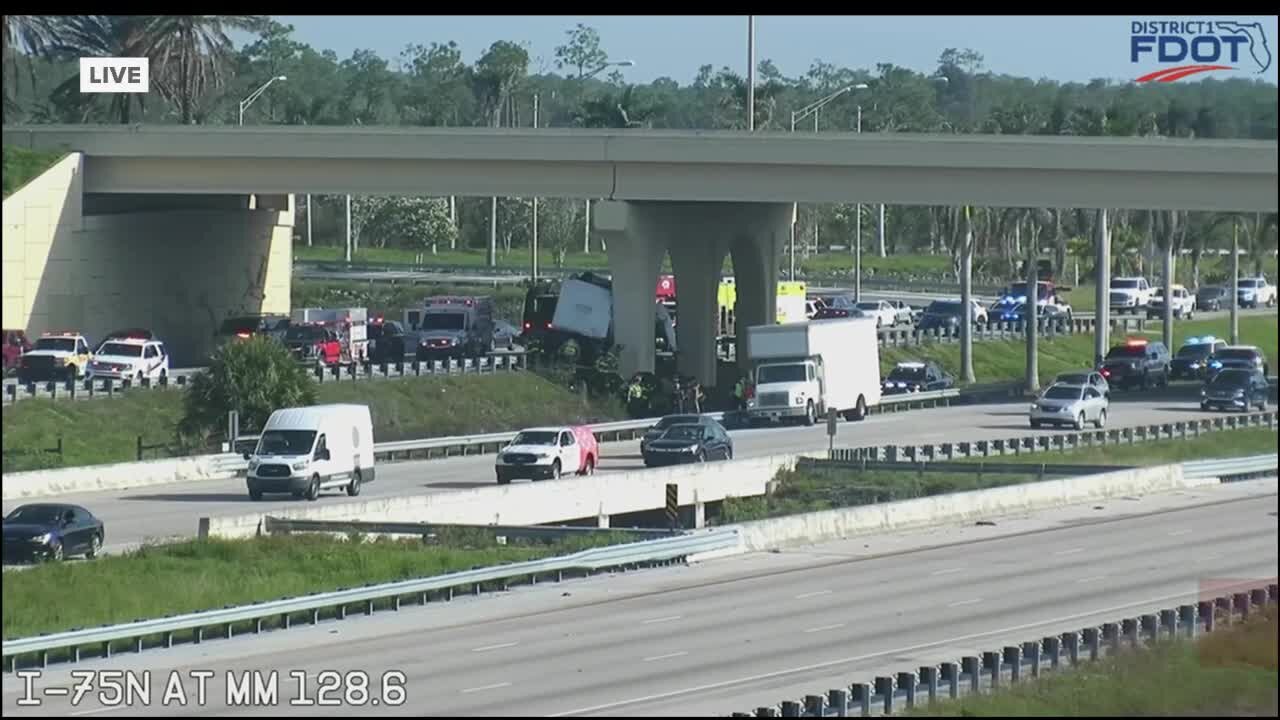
[(51, 531), (909, 377), (1235, 389), (687, 443), (656, 430)]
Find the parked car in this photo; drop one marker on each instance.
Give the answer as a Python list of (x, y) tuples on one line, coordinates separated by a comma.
[(1070, 405), (130, 357), (947, 314), (547, 453), (1247, 357), (1184, 303), (657, 429), (1052, 311), (243, 327), (388, 342), (1213, 298), (15, 344), (689, 442), (1137, 361), (885, 314), (1091, 378), (1192, 360), (909, 377), (56, 356), (1256, 291), (837, 306), (51, 531), (1131, 294), (1235, 389)]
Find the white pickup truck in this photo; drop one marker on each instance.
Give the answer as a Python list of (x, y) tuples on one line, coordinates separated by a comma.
[(1182, 302), (802, 370), (1131, 294), (1255, 292)]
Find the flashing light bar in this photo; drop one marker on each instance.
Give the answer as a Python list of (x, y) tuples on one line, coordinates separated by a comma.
[(242, 335), (1136, 342)]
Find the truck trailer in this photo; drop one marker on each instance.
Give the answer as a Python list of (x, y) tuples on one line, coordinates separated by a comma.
[(803, 370)]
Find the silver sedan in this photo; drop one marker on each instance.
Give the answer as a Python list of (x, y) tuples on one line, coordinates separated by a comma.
[(1070, 405)]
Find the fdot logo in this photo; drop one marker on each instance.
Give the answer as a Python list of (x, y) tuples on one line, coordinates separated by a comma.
[(1210, 45)]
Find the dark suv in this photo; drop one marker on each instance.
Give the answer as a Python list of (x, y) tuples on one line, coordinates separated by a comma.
[(1193, 358), (1137, 362), (1235, 389), (388, 342)]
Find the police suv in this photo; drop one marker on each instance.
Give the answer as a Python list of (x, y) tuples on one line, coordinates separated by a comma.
[(130, 357)]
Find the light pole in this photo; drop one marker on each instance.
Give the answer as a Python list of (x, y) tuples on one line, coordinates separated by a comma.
[(245, 103), (586, 226), (533, 245), (751, 73), (857, 241), (812, 109)]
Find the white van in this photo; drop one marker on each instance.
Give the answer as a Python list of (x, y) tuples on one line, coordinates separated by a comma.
[(305, 450)]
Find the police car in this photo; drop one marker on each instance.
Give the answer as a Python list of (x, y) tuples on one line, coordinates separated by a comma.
[(60, 355), (133, 357)]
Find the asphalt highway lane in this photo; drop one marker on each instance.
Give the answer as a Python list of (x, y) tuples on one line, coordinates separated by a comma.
[(736, 633), (161, 511)]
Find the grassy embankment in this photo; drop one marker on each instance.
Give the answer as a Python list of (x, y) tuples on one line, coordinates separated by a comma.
[(21, 166), (801, 491), (1229, 673), (205, 574), (106, 430)]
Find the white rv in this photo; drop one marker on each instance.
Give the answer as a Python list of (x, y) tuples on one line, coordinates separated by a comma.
[(305, 450), (802, 370)]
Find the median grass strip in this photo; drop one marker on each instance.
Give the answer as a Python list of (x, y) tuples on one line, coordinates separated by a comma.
[(996, 361), (1229, 673), (106, 430), (155, 581), (811, 489)]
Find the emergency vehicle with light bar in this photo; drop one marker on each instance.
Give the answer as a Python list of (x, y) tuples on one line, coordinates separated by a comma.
[(328, 337), (452, 326), (133, 356), (1137, 362), (61, 355)]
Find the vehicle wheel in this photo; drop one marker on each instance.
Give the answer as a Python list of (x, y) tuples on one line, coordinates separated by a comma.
[(1101, 422), (860, 410), (700, 457), (810, 416), (1035, 424), (313, 490), (555, 470), (353, 487), (138, 380), (164, 376), (1204, 407), (728, 454), (1080, 421), (257, 494), (503, 480), (95, 547), (1146, 381), (590, 469), (297, 494), (1271, 301), (56, 555)]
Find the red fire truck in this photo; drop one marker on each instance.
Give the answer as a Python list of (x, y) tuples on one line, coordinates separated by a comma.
[(323, 336)]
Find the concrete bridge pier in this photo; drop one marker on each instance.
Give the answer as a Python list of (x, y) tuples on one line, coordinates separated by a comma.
[(698, 236)]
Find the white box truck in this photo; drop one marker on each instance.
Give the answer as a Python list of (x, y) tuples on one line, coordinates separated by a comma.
[(802, 370), (308, 449)]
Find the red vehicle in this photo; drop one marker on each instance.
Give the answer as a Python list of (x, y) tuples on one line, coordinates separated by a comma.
[(15, 344), (314, 344), (666, 290)]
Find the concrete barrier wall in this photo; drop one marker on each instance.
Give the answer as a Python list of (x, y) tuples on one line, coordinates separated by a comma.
[(829, 525), (537, 503), (92, 478)]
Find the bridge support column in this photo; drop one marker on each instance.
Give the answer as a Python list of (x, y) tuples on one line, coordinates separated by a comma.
[(697, 257), (759, 233), (635, 257)]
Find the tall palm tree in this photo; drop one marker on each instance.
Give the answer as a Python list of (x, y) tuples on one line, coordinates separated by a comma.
[(191, 54), (98, 36), (31, 34)]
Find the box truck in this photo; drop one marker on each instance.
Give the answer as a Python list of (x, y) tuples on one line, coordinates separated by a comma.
[(802, 370), (305, 450)]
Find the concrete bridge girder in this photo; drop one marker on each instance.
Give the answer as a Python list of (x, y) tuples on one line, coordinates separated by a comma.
[(698, 235)]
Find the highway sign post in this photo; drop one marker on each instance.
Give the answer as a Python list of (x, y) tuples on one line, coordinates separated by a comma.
[(833, 423)]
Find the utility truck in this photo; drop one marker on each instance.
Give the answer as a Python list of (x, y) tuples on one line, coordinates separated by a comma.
[(803, 370)]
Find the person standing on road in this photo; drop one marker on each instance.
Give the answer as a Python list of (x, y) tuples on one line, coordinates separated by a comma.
[(740, 393)]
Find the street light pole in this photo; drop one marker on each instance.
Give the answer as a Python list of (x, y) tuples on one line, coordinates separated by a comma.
[(245, 103), (586, 204), (751, 73), (533, 247), (857, 243)]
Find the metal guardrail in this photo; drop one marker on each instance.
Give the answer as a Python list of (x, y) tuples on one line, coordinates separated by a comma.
[(1030, 444), (1232, 468), (92, 388), (978, 468), (1014, 664), (646, 553), (286, 526)]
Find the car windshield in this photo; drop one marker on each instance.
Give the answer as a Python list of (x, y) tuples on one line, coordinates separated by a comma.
[(1063, 392), (120, 349), (1195, 351), (1124, 284), (1209, 292), (670, 420), (1127, 351), (536, 437), (943, 307), (1230, 354), (286, 442), (35, 514), (1228, 378), (907, 372), (682, 432), (780, 373), (304, 333), (59, 344), (443, 321), (1080, 379), (1250, 283)]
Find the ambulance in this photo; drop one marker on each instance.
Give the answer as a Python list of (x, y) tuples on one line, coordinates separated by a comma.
[(791, 305)]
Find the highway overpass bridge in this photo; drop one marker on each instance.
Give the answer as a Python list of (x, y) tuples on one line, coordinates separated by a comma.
[(695, 195)]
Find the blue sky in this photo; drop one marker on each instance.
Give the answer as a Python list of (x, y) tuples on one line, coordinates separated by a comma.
[(1067, 48)]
